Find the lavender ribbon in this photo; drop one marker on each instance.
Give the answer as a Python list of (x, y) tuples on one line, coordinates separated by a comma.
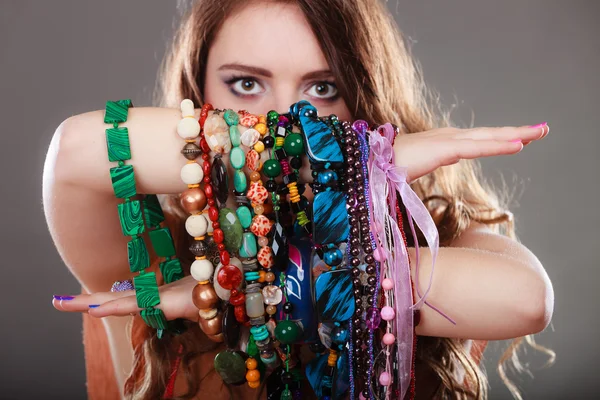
[(385, 180)]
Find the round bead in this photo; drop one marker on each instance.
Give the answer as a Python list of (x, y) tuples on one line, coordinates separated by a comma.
[(254, 384), (253, 375), (196, 225), (212, 326), (293, 144), (263, 241), (269, 277), (387, 284), (261, 128), (387, 313), (201, 270), (385, 379), (188, 128), (259, 146), (389, 339), (191, 173), (193, 200), (204, 297), (255, 176), (271, 309), (272, 168), (287, 332), (229, 277), (268, 141), (251, 363)]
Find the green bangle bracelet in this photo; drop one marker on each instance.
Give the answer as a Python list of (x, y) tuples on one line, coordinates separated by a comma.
[(137, 217)]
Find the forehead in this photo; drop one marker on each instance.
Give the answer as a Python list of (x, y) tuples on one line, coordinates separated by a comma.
[(270, 35)]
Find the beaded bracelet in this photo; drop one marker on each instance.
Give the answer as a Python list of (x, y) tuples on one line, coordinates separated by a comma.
[(132, 224), (194, 201)]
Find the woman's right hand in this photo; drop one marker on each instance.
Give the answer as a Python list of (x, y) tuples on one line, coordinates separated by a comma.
[(175, 302), (423, 152)]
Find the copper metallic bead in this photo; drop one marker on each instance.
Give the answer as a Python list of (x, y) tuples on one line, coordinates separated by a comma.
[(271, 309), (193, 200), (254, 176), (212, 326), (204, 296), (219, 338)]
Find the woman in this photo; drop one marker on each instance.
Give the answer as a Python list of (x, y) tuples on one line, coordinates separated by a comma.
[(348, 59)]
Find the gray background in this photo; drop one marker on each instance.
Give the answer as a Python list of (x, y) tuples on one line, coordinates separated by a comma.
[(508, 63)]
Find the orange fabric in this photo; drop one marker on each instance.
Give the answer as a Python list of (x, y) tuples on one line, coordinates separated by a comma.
[(101, 380)]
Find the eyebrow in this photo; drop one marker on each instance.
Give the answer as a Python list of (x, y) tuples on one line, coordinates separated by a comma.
[(320, 74)]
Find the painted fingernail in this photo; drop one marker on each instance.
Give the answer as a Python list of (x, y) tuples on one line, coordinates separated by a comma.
[(94, 305), (538, 125), (61, 297)]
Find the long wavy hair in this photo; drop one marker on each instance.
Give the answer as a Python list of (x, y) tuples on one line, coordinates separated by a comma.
[(351, 34)]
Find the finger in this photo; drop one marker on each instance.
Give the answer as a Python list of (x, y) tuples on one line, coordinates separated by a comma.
[(523, 133), (471, 149), (119, 308), (81, 302)]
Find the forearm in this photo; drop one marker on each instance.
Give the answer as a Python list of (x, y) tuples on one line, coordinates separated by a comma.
[(155, 150), (490, 295)]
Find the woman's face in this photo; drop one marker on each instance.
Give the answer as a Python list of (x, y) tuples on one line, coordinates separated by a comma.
[(266, 57)]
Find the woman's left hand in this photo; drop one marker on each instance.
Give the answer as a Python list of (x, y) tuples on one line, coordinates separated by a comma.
[(424, 152), (175, 302)]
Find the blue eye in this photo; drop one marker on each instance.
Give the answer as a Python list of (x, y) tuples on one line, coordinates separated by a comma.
[(323, 90)]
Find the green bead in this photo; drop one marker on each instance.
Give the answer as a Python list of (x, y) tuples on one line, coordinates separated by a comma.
[(231, 367), (272, 117), (171, 270), (232, 229), (245, 216), (153, 213), (130, 216), (240, 182), (272, 168), (287, 332), (235, 136), (293, 144), (248, 247), (286, 395), (231, 117), (138, 256), (162, 241), (123, 181), (117, 142), (154, 318), (146, 290), (116, 111), (237, 158)]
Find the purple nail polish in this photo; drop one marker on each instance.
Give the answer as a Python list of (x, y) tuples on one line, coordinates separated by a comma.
[(60, 297), (94, 305)]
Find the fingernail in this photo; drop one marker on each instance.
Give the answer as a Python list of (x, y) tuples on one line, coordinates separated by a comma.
[(94, 305), (61, 297), (538, 125)]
